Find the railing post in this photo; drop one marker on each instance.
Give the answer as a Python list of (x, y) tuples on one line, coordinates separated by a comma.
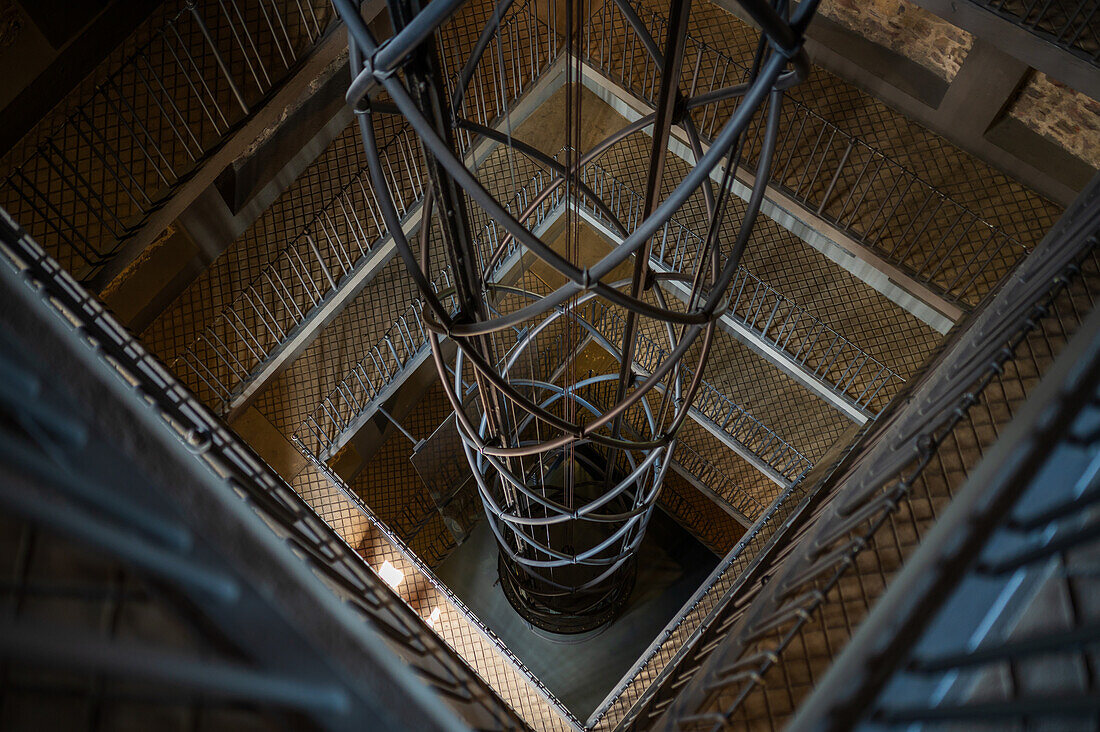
[(193, 7)]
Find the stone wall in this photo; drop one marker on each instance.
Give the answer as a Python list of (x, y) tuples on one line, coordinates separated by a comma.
[(1066, 117), (906, 29)]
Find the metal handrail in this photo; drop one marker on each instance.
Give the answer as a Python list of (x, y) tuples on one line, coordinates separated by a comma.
[(387, 362), (1070, 25), (803, 339), (717, 481), (89, 184), (877, 201), (340, 241), (282, 546), (956, 612), (711, 405), (425, 573), (843, 510)]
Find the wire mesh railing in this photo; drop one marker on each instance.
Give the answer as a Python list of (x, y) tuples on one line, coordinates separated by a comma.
[(239, 512), (720, 411), (87, 185), (905, 465), (792, 332), (652, 670), (880, 203), (341, 241), (718, 482), (389, 361), (974, 601), (525, 47), (1068, 24), (468, 616)]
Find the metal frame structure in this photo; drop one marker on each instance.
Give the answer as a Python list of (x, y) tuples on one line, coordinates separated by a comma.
[(832, 174), (566, 494)]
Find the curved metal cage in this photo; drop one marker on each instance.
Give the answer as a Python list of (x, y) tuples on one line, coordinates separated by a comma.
[(567, 433)]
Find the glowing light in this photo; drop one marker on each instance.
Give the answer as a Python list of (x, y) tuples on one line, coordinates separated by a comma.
[(390, 574)]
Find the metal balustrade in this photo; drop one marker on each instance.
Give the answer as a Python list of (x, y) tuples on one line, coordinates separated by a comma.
[(425, 573), (847, 510), (347, 239), (393, 357), (89, 184), (405, 344), (877, 201), (776, 457), (974, 601), (1069, 24), (344, 241), (717, 482), (369, 383), (526, 46), (803, 340), (680, 635), (703, 478), (150, 476), (330, 424)]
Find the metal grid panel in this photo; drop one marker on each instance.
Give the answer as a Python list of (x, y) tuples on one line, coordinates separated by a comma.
[(243, 260), (454, 624), (830, 294), (780, 652), (1006, 204), (700, 515), (342, 239), (994, 617), (796, 335), (878, 196), (390, 354), (86, 178), (219, 527), (390, 485), (51, 579), (1070, 24)]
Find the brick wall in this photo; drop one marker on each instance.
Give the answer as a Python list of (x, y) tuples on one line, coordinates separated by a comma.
[(905, 28), (1066, 117)]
